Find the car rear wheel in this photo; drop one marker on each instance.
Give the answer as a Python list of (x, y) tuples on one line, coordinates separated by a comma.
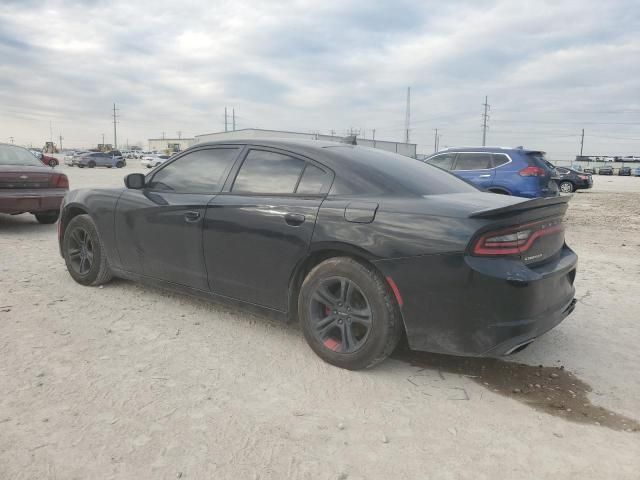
[(53, 163), (119, 165), (348, 314), (84, 253), (47, 218), (566, 187), (91, 164)]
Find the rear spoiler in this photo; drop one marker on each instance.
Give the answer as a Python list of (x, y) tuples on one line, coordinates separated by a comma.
[(522, 206)]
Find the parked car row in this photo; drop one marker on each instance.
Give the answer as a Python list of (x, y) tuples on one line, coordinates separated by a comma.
[(95, 159)]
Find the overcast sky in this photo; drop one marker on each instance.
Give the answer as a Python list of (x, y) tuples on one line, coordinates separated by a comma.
[(549, 69)]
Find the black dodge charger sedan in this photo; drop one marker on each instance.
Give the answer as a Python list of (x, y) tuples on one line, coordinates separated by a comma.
[(357, 244)]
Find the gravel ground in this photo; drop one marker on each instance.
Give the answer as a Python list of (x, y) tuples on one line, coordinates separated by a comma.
[(128, 381)]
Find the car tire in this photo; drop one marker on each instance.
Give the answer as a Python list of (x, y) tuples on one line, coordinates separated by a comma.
[(332, 318), (91, 164), (119, 165), (53, 163), (47, 218), (88, 265), (566, 187)]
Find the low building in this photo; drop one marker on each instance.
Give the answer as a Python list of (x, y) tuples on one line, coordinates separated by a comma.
[(170, 144), (407, 149)]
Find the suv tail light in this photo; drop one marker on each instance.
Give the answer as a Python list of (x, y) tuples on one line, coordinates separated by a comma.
[(532, 171), (59, 180), (515, 240)]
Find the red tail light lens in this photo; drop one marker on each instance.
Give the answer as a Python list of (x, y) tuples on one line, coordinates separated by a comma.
[(532, 171), (516, 240), (59, 180)]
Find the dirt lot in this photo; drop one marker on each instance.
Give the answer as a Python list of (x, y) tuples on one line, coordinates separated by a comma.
[(132, 382)]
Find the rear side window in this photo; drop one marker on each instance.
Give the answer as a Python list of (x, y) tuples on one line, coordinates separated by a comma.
[(444, 160), (268, 172), (473, 161), (499, 159), (312, 181), (196, 172)]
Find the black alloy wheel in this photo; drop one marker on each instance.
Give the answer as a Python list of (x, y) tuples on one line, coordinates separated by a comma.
[(341, 315), (348, 313), (566, 187), (80, 251), (83, 252)]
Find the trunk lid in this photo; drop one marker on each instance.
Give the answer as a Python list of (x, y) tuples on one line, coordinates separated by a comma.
[(23, 176)]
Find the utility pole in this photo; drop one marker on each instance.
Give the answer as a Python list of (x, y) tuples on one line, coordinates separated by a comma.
[(373, 137), (233, 116), (115, 134), (435, 141), (103, 141), (162, 135), (60, 137), (581, 142), (179, 135), (485, 118), (50, 132), (407, 117), (333, 133), (226, 128), (11, 138)]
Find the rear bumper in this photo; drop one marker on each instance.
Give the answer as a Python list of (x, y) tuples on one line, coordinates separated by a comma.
[(472, 306), (32, 201)]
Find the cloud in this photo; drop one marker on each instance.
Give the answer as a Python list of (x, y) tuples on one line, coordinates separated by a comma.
[(549, 69)]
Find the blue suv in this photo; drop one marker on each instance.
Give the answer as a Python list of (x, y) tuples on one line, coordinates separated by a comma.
[(510, 171)]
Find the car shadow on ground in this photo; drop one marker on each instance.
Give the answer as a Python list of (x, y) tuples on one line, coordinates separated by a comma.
[(23, 223), (553, 390)]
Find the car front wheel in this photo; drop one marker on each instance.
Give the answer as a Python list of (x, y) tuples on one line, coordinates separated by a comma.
[(84, 253), (566, 187), (348, 314)]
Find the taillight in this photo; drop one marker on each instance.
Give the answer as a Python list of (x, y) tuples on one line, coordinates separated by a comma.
[(583, 177), (59, 180), (532, 171), (516, 240)]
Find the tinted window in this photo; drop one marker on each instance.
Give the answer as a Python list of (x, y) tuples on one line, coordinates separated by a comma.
[(563, 171), (312, 180), (473, 161), (364, 171), (268, 172), (197, 172), (444, 160), (499, 159)]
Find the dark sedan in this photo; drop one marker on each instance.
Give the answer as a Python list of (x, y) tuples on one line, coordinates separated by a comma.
[(26, 185), (570, 180), (357, 244), (606, 170)]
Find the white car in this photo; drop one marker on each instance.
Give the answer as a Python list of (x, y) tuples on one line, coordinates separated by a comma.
[(152, 161)]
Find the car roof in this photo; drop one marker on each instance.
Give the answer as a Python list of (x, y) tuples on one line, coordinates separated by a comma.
[(332, 154)]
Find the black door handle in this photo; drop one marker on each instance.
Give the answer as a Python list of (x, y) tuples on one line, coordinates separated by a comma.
[(191, 216), (294, 219)]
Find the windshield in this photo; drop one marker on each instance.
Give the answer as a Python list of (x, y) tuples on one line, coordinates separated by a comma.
[(11, 155)]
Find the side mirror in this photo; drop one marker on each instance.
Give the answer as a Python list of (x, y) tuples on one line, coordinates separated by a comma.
[(134, 181)]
